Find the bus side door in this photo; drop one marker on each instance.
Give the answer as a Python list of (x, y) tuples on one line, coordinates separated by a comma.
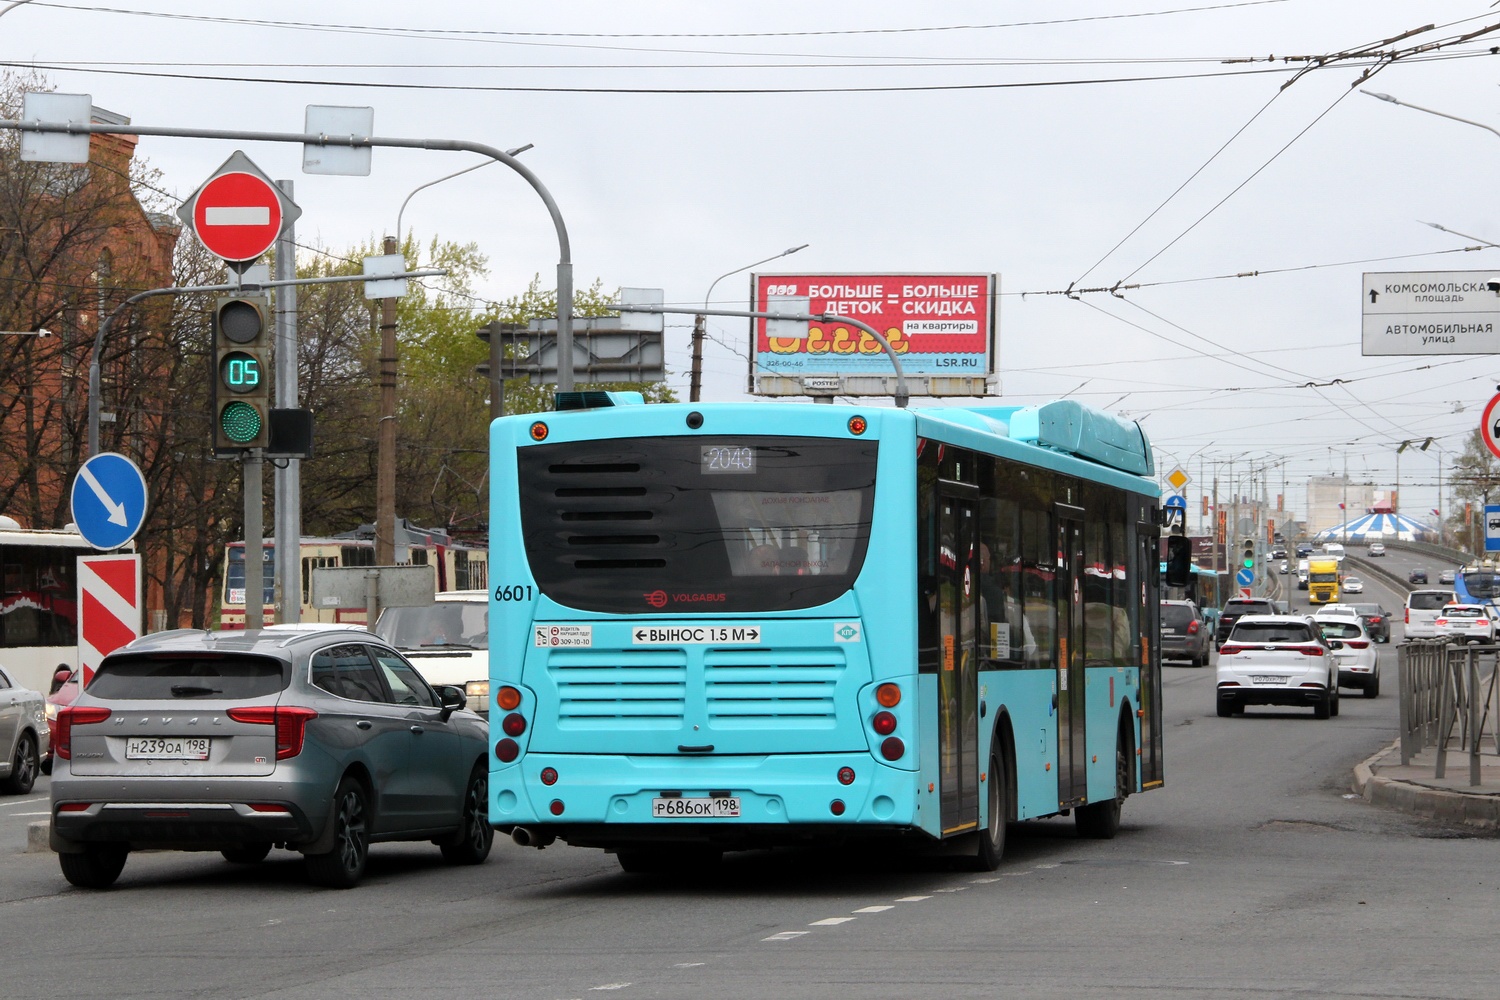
[(958, 664), (1072, 748)]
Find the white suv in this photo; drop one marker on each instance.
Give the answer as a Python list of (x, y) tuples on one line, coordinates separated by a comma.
[(447, 641), (1277, 660), (1422, 610)]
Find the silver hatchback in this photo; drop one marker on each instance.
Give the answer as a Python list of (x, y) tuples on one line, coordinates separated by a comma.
[(321, 742)]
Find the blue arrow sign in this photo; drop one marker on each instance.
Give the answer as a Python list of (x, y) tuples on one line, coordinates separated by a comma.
[(1176, 502), (1244, 578), (109, 500)]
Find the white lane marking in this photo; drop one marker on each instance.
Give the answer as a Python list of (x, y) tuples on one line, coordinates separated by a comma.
[(982, 881), (32, 814), (785, 936), (831, 921), (244, 215), (957, 888), (873, 909), (29, 800), (688, 965), (912, 899)]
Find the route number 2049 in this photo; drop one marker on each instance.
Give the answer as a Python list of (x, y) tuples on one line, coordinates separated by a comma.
[(513, 592)]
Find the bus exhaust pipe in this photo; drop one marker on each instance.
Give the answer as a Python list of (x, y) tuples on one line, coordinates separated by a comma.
[(525, 836)]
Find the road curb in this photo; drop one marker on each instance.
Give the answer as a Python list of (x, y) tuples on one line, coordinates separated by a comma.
[(1478, 811), (36, 837)]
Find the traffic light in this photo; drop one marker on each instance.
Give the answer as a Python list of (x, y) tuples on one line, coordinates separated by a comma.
[(242, 373), (1248, 559)]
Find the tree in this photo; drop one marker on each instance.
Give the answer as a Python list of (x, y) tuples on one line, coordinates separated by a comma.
[(1476, 478)]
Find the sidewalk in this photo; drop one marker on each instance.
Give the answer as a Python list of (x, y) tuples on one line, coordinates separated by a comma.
[(1382, 780)]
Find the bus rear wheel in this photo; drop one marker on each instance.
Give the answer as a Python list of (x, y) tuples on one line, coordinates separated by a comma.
[(1101, 820), (991, 840)]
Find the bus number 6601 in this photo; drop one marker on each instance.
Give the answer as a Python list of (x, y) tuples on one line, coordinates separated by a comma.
[(516, 592)]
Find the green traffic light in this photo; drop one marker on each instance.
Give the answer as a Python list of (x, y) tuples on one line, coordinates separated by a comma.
[(1249, 563), (240, 422)]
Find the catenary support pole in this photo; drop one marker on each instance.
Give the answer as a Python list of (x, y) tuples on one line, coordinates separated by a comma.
[(385, 473), (287, 476)]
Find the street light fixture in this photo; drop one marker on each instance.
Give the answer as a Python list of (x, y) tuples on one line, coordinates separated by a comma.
[(700, 321), (1441, 114)]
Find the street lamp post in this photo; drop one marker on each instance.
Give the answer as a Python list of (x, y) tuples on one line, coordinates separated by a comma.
[(700, 321)]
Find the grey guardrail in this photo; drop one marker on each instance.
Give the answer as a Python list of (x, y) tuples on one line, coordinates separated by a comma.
[(1456, 556), (1369, 568)]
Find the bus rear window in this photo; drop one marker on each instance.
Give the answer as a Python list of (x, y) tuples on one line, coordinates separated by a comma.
[(749, 523)]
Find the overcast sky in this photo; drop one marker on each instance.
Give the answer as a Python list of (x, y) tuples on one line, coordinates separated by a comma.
[(1205, 157)]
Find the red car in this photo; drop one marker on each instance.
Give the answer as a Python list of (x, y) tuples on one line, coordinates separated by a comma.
[(64, 689)]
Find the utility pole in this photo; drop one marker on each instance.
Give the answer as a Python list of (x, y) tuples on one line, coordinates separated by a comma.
[(695, 381), (385, 474), (287, 479)]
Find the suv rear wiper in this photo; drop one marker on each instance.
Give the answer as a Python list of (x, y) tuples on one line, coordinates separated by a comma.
[(185, 690)]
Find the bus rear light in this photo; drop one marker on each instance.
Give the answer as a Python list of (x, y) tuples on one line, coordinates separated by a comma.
[(884, 723), (549, 775), (507, 750), (846, 775), (858, 425), (836, 807), (556, 808), (538, 431), (514, 724), (508, 698), (888, 695), (892, 748), (70, 716)]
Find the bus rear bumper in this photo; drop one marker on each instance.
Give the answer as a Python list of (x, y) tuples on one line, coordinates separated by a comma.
[(604, 801)]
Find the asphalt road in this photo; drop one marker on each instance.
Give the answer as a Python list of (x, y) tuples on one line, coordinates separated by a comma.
[(1251, 874)]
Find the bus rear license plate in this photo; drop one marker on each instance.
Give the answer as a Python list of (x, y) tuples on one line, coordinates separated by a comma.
[(679, 808)]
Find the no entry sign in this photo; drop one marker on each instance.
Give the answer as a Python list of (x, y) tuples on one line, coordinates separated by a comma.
[(238, 212)]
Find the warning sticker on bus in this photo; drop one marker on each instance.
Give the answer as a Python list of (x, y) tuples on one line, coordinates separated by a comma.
[(565, 636), (695, 635)]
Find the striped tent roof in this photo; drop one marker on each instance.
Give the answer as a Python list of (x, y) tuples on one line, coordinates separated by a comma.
[(1375, 528)]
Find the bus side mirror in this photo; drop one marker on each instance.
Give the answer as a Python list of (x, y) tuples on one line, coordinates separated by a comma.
[(1179, 560)]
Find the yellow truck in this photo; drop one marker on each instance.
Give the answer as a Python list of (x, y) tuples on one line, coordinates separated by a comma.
[(1323, 579)]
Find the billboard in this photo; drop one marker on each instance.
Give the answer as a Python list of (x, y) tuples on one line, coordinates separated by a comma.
[(942, 326)]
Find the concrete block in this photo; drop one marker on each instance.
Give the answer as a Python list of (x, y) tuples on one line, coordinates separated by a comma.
[(36, 837)]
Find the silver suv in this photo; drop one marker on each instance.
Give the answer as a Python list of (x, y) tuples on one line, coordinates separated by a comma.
[(321, 742)]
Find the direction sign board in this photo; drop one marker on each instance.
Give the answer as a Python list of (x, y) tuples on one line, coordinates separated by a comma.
[(238, 212), (1431, 312), (1176, 503), (109, 500), (1489, 426), (1492, 527), (1244, 577)]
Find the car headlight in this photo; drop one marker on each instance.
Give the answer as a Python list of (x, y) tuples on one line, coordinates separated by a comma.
[(51, 712), (478, 693)]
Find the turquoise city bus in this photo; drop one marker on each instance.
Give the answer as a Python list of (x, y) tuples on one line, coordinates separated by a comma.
[(723, 626)]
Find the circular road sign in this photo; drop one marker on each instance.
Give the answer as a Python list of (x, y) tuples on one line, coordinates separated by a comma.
[(1487, 426), (237, 216), (109, 500)]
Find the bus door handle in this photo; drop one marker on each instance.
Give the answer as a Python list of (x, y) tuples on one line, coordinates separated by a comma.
[(418, 730), (706, 748), (982, 709), (362, 724)]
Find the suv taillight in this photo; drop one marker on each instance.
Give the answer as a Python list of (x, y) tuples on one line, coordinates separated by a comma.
[(290, 722), (1310, 650), (67, 718), (1193, 627)]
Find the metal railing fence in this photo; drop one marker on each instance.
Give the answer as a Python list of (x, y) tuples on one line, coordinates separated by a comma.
[(1440, 689)]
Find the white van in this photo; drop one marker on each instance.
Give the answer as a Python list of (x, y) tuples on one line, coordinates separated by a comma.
[(1335, 550), (447, 641), (1422, 610)]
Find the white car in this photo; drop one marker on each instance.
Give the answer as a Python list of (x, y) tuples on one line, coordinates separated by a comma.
[(1466, 623), (1277, 660), (1354, 585), (1422, 610), (447, 641), (1358, 660)]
